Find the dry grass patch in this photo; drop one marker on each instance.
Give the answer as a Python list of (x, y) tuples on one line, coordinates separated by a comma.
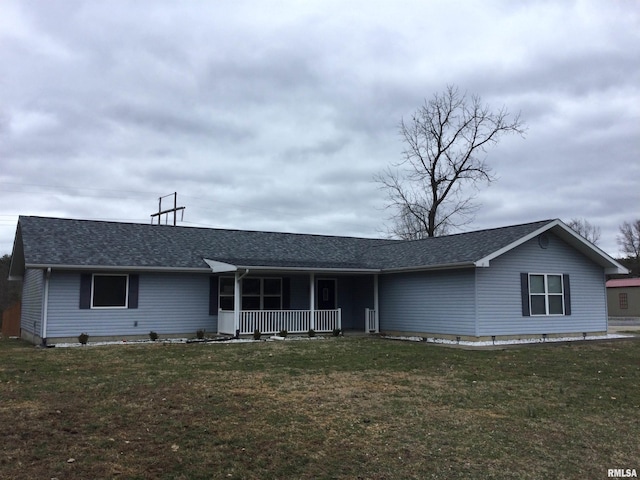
[(336, 408)]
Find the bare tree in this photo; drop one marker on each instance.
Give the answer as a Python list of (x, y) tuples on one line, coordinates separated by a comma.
[(629, 240), (446, 144), (586, 229)]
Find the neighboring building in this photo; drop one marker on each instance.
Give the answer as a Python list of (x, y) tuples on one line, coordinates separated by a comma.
[(123, 280), (623, 298)]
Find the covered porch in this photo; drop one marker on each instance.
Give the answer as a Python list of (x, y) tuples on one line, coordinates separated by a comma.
[(270, 300)]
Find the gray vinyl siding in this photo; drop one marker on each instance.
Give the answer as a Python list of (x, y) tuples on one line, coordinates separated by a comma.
[(299, 293), (167, 304), (499, 294), (32, 301), (428, 302)]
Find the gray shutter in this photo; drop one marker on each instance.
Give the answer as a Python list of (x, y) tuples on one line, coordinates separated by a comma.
[(524, 292), (85, 291), (566, 288), (134, 282), (213, 295)]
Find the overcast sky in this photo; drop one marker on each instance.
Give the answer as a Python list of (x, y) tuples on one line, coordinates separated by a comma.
[(276, 115)]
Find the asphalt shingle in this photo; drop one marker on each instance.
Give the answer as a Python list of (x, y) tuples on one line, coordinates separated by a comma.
[(68, 242)]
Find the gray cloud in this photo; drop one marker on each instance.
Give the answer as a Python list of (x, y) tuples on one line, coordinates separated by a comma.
[(276, 117)]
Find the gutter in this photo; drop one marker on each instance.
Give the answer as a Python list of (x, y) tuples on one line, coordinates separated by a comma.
[(312, 269), (121, 268), (423, 268)]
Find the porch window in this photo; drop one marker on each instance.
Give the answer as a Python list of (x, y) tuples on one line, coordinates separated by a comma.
[(256, 293)]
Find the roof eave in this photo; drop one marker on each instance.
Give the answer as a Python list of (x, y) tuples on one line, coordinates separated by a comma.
[(309, 269), (17, 266), (425, 268), (119, 268)]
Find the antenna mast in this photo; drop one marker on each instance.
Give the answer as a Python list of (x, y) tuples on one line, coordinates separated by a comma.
[(169, 210)]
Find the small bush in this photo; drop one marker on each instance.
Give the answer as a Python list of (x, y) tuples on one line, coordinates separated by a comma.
[(153, 336), (256, 334), (336, 332), (200, 334), (312, 332), (283, 333), (83, 338)]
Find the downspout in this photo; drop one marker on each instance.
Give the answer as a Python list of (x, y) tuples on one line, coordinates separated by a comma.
[(45, 313), (236, 302)]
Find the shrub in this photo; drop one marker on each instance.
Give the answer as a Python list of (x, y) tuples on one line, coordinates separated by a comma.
[(256, 334), (200, 334), (312, 332), (336, 332), (83, 338), (283, 333), (153, 336)]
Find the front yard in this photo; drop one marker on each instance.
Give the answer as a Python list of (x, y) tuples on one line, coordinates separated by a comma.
[(332, 408)]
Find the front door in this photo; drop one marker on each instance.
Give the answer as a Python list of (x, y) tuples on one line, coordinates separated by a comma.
[(326, 288)]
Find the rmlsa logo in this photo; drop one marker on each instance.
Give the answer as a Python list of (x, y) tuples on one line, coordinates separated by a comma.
[(622, 473)]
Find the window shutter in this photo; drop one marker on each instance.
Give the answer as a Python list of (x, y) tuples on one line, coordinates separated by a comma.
[(85, 291), (134, 282), (213, 295), (286, 293), (524, 292), (567, 294)]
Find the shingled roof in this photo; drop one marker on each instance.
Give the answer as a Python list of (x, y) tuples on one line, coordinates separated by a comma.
[(66, 243)]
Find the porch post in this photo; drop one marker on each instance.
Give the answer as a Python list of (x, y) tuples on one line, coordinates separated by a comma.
[(236, 303), (376, 306), (312, 300)]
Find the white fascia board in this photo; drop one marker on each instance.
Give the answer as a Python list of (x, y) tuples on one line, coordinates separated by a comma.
[(426, 268), (118, 268), (220, 267), (258, 268)]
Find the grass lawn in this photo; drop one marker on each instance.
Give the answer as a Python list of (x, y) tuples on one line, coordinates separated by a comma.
[(332, 408)]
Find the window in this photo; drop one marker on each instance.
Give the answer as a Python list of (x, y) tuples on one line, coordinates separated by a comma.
[(109, 291), (257, 293), (546, 294), (226, 293), (623, 300)]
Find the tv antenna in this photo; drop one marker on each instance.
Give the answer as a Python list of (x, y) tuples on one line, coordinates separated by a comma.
[(169, 210)]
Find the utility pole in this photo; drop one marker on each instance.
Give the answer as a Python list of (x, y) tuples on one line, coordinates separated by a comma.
[(169, 210)]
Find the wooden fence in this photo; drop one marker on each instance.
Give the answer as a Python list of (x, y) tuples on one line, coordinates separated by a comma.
[(11, 321)]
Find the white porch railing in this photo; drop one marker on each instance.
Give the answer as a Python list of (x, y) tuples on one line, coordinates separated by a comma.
[(274, 321), (370, 320)]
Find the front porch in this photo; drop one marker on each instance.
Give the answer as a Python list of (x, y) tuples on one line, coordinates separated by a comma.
[(272, 302), (274, 321)]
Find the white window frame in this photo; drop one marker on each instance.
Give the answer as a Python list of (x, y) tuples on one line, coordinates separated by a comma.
[(261, 295), (225, 295), (547, 294), (110, 307)]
